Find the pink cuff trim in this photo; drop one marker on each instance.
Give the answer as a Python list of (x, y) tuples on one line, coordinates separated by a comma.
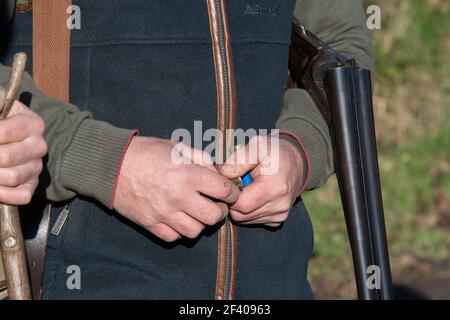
[(132, 134), (308, 159)]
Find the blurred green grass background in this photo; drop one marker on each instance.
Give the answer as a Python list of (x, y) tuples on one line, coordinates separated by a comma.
[(411, 101)]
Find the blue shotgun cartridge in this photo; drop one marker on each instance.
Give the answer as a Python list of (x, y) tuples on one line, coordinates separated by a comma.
[(246, 180)]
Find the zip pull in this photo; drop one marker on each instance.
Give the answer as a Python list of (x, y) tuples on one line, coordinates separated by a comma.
[(60, 221)]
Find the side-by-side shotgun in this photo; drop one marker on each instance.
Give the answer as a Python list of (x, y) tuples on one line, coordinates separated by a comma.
[(343, 93)]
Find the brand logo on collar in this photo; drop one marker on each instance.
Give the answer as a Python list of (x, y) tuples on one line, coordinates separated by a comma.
[(23, 6), (261, 10)]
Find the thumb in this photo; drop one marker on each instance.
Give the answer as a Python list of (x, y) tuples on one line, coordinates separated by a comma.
[(243, 160), (195, 156), (16, 108)]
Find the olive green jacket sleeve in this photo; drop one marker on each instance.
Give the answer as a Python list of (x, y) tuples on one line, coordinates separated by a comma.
[(341, 24), (83, 155)]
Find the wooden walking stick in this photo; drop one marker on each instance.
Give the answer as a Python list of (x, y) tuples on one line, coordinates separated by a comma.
[(12, 244)]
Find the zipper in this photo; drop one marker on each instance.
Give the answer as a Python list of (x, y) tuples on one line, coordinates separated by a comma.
[(228, 255), (225, 70), (226, 289), (223, 63)]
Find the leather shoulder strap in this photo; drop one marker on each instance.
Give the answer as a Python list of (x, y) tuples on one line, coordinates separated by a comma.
[(51, 67), (51, 47)]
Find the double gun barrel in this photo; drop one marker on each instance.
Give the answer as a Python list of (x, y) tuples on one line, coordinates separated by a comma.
[(343, 93)]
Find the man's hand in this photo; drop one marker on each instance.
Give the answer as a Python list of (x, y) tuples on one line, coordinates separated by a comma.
[(22, 146), (169, 199), (277, 174)]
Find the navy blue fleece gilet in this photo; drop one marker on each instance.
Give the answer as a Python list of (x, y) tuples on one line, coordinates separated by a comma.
[(148, 64)]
